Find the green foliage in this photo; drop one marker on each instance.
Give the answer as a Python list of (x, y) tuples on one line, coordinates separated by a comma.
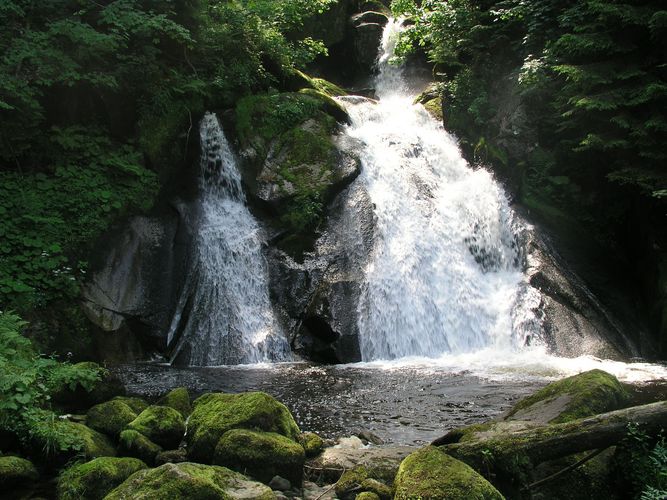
[(642, 464), (26, 385)]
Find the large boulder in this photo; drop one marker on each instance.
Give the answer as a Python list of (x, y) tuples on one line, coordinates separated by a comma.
[(110, 417), (161, 424), (578, 396), (261, 455), (214, 414), (190, 480), (380, 463), (16, 472), (71, 439), (93, 480), (430, 473), (135, 444), (179, 400), (360, 480)]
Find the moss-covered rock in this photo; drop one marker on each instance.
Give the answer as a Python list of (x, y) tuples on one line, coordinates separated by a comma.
[(179, 400), (350, 482), (110, 417), (137, 404), (376, 487), (161, 424), (367, 495), (261, 455), (135, 444), (214, 414), (329, 105), (312, 444), (171, 457), (62, 440), (16, 471), (579, 396), (93, 480), (192, 481), (430, 473)]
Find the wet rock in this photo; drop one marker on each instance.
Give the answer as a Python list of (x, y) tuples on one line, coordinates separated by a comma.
[(190, 480), (261, 455), (280, 484), (110, 417), (162, 425), (16, 472), (368, 437), (135, 444), (432, 474), (366, 39), (380, 463), (179, 400), (369, 17), (93, 480), (214, 414)]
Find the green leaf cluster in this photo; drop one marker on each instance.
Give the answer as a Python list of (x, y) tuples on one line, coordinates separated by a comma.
[(27, 382)]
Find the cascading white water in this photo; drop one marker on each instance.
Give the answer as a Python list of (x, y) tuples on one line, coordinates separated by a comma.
[(228, 316), (445, 275)]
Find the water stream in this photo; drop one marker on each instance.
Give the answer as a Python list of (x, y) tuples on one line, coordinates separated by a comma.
[(225, 315)]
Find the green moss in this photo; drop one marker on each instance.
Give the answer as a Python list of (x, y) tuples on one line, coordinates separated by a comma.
[(110, 417), (93, 480), (367, 495), (137, 404), (261, 455), (88, 442), (328, 105), (312, 443), (179, 400), (380, 489), (215, 414), (351, 481), (189, 480), (430, 473), (587, 394), (15, 471), (434, 107), (268, 116), (328, 88), (161, 424), (135, 444)]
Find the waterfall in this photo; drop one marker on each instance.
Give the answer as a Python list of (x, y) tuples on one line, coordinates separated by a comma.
[(225, 315), (446, 272)]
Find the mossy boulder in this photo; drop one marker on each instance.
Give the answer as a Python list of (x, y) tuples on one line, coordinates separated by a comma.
[(329, 105), (261, 455), (161, 424), (110, 417), (192, 481), (16, 472), (137, 404), (135, 444), (367, 495), (350, 481), (374, 486), (312, 444), (93, 480), (179, 400), (171, 457), (60, 441), (214, 414), (430, 473), (579, 396)]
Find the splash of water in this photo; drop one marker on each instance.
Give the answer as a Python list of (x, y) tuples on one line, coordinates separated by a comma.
[(445, 275), (225, 315)]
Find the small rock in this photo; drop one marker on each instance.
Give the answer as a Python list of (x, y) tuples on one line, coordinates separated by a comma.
[(352, 442), (171, 457), (369, 437), (280, 484)]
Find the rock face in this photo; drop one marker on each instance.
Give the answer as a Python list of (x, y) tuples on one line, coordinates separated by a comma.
[(162, 425), (190, 480), (93, 480), (431, 474)]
